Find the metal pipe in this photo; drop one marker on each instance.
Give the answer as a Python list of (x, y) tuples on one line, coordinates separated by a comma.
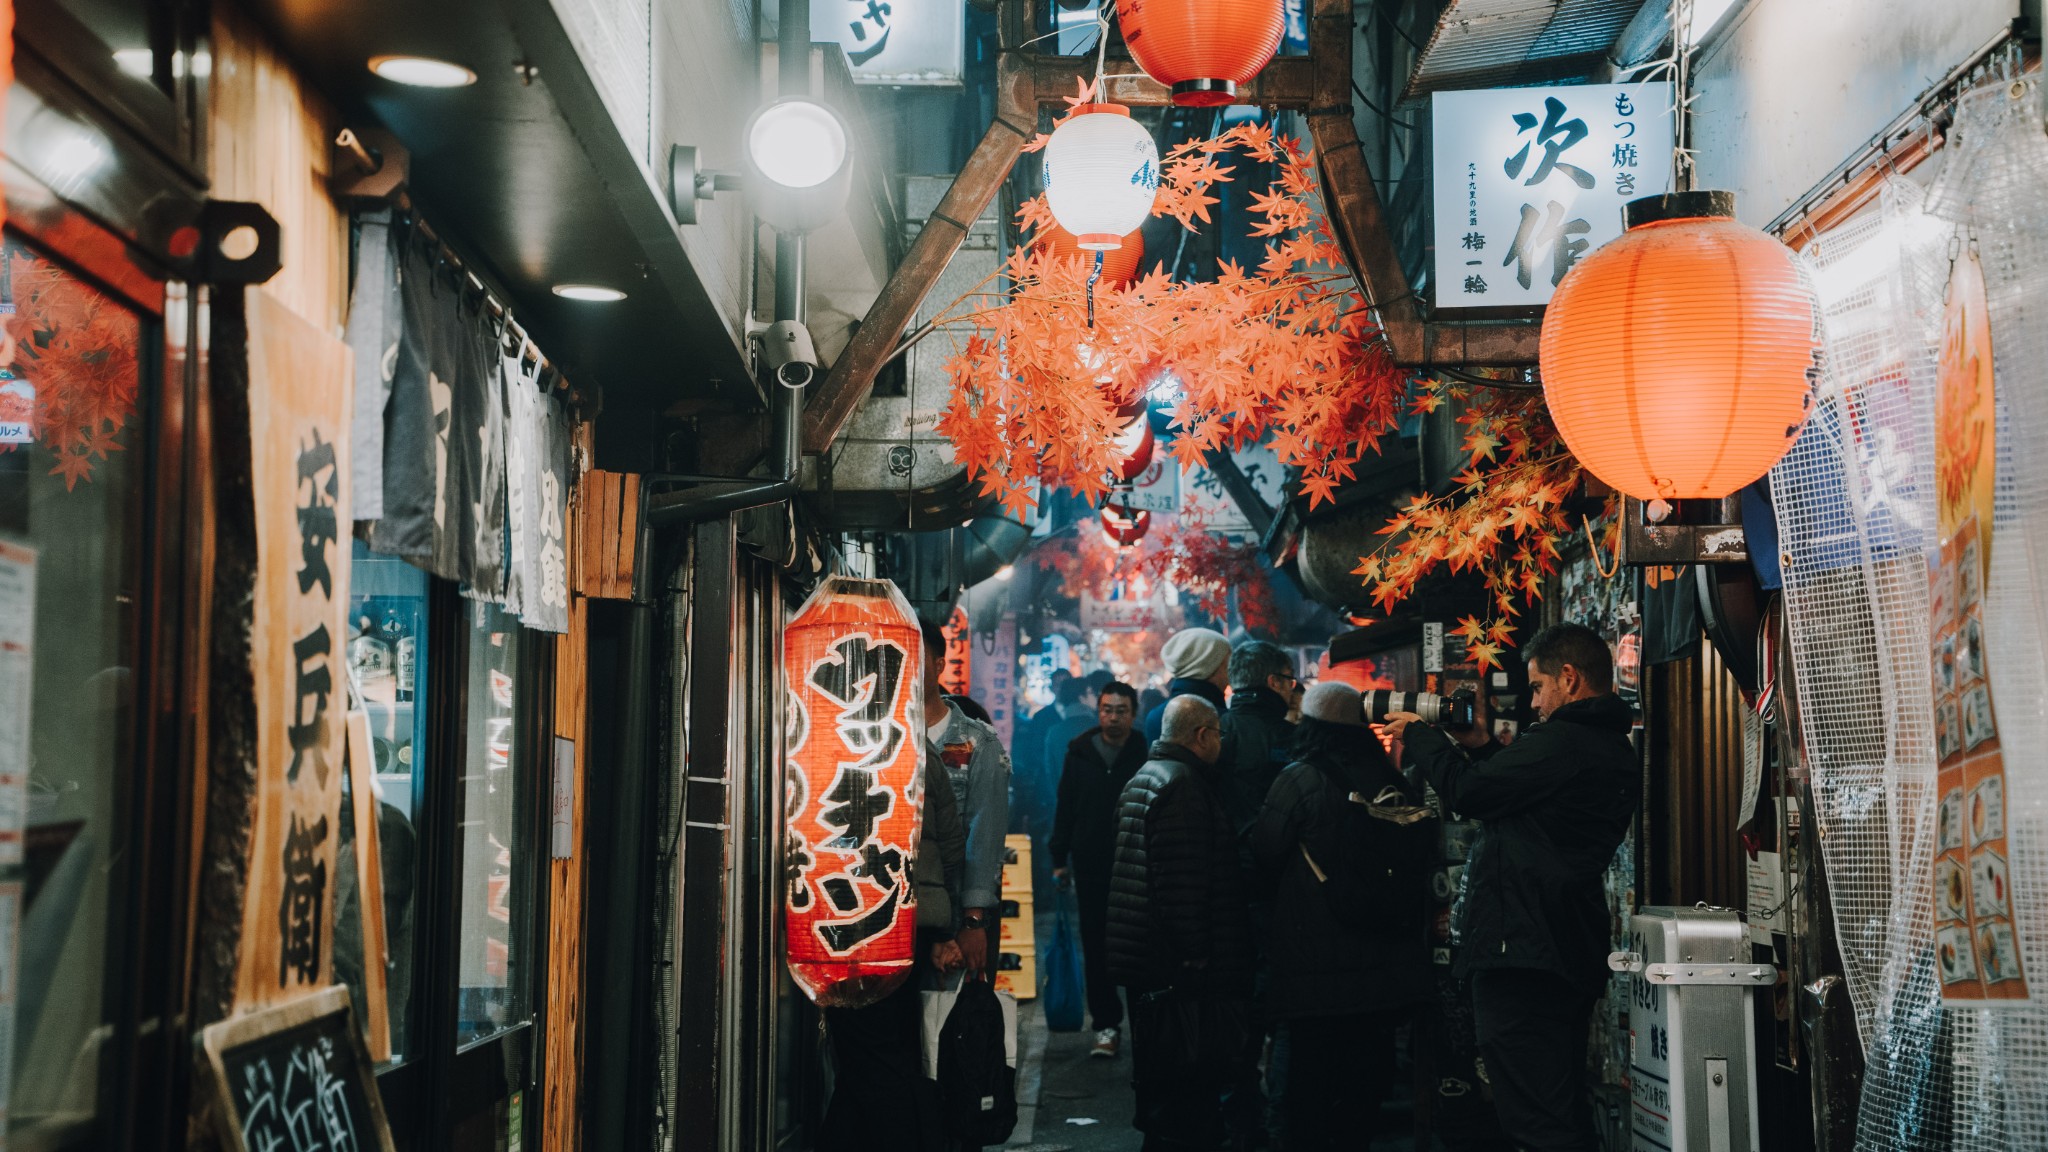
[(789, 276), (793, 48)]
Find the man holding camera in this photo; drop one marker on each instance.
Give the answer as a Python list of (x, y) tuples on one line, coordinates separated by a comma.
[(1533, 928)]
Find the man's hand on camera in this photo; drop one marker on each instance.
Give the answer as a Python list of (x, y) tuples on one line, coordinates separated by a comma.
[(1481, 730), (1398, 722)]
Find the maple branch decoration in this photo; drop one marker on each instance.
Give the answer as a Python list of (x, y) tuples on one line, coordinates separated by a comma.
[(1283, 353)]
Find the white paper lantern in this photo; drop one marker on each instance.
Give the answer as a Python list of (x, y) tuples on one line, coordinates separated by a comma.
[(1101, 175)]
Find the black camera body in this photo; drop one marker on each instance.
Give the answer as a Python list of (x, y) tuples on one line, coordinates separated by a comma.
[(1455, 712)]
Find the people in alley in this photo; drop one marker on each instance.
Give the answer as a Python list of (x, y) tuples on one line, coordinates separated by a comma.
[(1198, 660), (1343, 847), (979, 772), (1553, 807), (1098, 764), (1180, 937)]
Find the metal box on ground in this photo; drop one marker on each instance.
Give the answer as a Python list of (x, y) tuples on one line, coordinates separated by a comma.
[(1692, 1034)]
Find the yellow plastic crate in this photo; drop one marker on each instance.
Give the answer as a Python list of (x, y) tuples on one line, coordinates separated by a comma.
[(1016, 929), (1017, 972)]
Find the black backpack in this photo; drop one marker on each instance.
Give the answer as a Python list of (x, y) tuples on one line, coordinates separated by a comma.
[(1372, 854), (977, 1086)]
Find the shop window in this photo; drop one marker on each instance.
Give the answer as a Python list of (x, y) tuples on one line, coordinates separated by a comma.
[(73, 458), (495, 799), (387, 661)]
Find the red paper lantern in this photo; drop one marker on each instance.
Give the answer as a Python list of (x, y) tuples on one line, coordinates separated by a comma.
[(1202, 49), (853, 665), (1125, 526), (1119, 265), (1137, 444), (1679, 360)]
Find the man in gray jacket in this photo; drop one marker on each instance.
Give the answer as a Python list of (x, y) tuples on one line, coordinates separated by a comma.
[(980, 773)]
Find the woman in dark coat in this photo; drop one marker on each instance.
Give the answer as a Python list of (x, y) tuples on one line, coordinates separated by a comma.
[(1342, 846)]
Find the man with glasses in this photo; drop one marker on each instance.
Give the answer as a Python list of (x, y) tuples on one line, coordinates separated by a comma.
[(1099, 762), (1179, 936)]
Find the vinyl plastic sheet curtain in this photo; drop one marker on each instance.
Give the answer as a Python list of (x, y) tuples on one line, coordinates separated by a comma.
[(1855, 500)]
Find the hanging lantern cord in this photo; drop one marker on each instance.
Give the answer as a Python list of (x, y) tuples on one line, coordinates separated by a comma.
[(1094, 274), (1599, 565)]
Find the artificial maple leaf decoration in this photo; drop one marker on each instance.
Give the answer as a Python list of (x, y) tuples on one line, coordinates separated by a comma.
[(1283, 353), (1503, 519), (78, 349)]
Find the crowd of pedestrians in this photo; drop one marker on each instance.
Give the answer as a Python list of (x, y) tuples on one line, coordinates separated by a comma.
[(1252, 874)]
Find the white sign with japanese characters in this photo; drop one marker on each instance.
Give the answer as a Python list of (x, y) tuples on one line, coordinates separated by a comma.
[(895, 41), (1529, 180)]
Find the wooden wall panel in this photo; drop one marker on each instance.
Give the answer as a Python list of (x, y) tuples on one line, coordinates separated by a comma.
[(270, 135), (561, 1093), (606, 531)]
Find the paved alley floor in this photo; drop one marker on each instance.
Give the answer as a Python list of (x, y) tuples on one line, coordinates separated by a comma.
[(1069, 1102)]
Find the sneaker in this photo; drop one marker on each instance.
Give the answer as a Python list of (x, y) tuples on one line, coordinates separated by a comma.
[(1106, 1043)]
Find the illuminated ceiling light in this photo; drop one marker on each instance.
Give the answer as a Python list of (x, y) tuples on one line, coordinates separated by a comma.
[(597, 293), (1006, 571), (797, 143), (136, 61), (421, 72), (1707, 17)]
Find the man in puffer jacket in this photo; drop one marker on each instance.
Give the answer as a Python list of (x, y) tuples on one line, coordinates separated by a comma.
[(1179, 935), (1533, 933), (1343, 847)]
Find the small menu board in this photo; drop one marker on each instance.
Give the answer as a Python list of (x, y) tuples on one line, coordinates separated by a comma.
[(296, 1076)]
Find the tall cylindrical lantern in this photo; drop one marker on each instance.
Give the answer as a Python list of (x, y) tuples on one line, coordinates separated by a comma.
[(853, 667), (1101, 175), (1202, 49), (1679, 360)]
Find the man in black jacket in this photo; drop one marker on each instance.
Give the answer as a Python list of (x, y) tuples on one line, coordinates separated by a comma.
[(1179, 937), (1099, 763), (1257, 739), (1533, 930)]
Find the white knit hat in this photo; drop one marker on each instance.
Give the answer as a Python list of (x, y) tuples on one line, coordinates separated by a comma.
[(1195, 653), (1333, 702)]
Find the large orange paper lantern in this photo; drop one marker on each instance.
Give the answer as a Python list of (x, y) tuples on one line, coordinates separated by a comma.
[(1679, 360), (1119, 265), (853, 666), (1202, 49), (1135, 444)]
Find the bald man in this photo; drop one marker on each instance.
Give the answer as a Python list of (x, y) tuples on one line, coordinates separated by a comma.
[(1179, 934)]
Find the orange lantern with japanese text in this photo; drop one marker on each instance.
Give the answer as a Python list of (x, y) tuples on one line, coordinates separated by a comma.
[(1135, 444), (1679, 360), (1202, 49), (1119, 265), (853, 666)]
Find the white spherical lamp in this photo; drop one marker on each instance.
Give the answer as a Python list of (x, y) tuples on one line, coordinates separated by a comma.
[(1101, 175)]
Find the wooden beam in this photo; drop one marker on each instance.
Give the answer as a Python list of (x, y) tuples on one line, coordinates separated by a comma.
[(1360, 222), (853, 373)]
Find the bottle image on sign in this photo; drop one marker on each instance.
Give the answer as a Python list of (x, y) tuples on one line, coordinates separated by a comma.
[(853, 669)]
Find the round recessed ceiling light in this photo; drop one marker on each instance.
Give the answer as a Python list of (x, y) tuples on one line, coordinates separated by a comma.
[(421, 72), (597, 292)]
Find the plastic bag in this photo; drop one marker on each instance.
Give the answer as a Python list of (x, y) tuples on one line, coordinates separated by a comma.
[(1065, 996)]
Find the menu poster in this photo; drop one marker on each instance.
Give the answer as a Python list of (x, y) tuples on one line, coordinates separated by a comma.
[(1976, 937)]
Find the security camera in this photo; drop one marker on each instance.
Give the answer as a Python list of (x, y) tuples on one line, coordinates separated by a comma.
[(787, 351)]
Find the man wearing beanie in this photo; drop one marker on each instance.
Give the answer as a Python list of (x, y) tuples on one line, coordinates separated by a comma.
[(1342, 848), (1198, 659)]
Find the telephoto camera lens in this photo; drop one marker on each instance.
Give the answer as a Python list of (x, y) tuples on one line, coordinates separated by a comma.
[(1442, 711)]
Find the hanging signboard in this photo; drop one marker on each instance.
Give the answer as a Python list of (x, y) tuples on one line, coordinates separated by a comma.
[(897, 42), (1207, 504), (1976, 937), (299, 403), (995, 683), (853, 664), (1529, 180), (957, 677), (1157, 488), (1116, 615)]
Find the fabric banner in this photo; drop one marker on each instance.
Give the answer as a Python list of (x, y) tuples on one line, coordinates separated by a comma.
[(536, 498), (374, 314), (299, 411), (1977, 944), (444, 432)]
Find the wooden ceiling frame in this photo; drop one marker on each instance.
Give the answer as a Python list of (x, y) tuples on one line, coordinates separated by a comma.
[(1317, 85)]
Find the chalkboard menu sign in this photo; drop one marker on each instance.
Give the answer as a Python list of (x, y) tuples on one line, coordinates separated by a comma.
[(297, 1077)]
